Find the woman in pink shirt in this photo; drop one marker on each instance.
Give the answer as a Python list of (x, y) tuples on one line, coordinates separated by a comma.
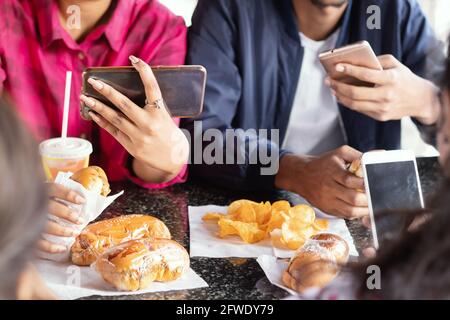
[(42, 39)]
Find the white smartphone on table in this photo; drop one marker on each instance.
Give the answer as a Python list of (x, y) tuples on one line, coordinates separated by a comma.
[(392, 183)]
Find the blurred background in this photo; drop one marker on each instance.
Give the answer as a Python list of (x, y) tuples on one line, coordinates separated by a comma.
[(437, 12)]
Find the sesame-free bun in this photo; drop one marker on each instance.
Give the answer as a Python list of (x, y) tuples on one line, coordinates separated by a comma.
[(93, 179), (98, 237), (317, 263), (135, 264)]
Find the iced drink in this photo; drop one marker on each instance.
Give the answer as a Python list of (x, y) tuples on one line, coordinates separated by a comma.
[(64, 155)]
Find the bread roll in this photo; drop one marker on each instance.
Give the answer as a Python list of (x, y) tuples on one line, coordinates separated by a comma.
[(96, 238), (135, 264), (93, 179), (317, 263)]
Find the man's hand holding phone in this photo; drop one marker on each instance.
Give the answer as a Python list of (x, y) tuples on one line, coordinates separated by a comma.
[(397, 93), (325, 182)]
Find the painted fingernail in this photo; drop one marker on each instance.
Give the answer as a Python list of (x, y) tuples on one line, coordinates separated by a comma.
[(94, 117), (59, 249), (90, 102), (79, 200), (98, 85), (134, 60), (80, 220), (340, 68), (75, 217)]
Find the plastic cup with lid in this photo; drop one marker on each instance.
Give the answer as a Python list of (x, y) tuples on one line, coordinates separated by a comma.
[(64, 155)]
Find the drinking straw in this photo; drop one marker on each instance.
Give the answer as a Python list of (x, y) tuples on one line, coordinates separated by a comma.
[(66, 105)]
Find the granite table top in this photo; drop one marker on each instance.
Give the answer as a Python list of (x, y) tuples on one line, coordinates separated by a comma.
[(228, 278)]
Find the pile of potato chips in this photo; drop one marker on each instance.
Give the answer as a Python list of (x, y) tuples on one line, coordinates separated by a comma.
[(254, 222)]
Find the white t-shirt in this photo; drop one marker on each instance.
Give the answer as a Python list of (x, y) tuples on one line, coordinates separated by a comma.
[(315, 124)]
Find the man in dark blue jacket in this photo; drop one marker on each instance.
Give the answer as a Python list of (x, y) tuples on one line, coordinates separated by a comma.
[(264, 74)]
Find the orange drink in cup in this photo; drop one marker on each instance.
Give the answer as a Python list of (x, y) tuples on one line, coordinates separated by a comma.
[(64, 155)]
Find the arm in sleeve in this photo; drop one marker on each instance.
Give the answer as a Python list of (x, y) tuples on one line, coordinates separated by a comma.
[(423, 53), (213, 43), (171, 52), (2, 73)]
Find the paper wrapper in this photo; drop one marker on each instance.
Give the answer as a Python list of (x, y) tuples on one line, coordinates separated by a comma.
[(68, 281), (95, 204), (274, 268), (204, 240), (341, 288)]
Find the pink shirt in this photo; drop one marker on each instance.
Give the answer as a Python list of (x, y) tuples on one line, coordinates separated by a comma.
[(36, 52)]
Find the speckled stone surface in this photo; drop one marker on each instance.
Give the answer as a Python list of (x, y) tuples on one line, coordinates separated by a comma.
[(229, 278)]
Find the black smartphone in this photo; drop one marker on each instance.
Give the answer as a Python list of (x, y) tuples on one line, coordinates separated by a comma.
[(182, 87), (392, 185)]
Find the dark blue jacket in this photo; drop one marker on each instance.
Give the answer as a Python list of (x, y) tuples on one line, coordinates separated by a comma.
[(253, 55)]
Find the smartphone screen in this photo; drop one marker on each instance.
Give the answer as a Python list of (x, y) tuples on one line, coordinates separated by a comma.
[(393, 186)]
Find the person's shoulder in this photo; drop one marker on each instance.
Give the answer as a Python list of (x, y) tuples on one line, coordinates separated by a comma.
[(393, 10), (14, 9), (234, 5), (392, 6), (235, 10), (157, 12), (16, 15), (152, 20)]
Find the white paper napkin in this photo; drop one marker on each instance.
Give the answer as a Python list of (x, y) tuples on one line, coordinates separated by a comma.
[(341, 288), (204, 240), (69, 281), (95, 204), (274, 268)]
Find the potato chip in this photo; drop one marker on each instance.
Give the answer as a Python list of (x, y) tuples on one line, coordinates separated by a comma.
[(213, 216), (254, 221), (249, 232), (245, 213), (295, 232), (303, 212), (281, 205), (263, 213), (235, 205), (321, 224), (276, 221)]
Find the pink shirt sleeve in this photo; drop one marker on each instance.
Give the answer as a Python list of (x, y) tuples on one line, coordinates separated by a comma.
[(2, 75), (180, 178), (174, 47), (171, 52)]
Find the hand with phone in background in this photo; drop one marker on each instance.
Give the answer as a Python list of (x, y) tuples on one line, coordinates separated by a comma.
[(379, 87), (129, 104)]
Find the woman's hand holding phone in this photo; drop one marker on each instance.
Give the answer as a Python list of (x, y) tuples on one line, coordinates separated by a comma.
[(397, 93), (159, 147)]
